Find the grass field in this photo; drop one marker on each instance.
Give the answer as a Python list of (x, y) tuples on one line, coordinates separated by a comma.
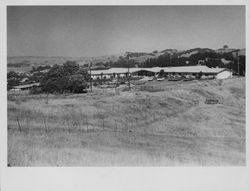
[(155, 124)]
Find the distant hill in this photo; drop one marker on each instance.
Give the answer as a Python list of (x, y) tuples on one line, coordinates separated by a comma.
[(137, 59), (188, 53), (16, 61), (169, 51)]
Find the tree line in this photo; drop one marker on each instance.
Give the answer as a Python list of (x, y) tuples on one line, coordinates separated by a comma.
[(210, 59), (69, 77)]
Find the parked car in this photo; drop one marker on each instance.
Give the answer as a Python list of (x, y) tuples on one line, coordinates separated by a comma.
[(150, 78), (160, 79), (188, 79), (147, 79), (175, 78)]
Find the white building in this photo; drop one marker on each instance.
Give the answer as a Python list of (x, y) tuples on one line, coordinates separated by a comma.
[(218, 73), (224, 74)]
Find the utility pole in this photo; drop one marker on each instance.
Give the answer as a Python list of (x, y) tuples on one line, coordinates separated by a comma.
[(238, 62), (231, 67), (128, 74), (90, 79)]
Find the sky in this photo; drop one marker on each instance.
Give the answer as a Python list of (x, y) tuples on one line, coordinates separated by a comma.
[(82, 31)]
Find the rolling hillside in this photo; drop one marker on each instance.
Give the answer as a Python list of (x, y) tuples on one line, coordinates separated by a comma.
[(25, 63), (169, 124), (188, 53)]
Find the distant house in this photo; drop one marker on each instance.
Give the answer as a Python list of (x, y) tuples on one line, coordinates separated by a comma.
[(24, 80), (25, 87), (224, 74), (218, 73)]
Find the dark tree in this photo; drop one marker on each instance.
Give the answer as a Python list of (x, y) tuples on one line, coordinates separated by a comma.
[(13, 79), (161, 73), (69, 77), (70, 68)]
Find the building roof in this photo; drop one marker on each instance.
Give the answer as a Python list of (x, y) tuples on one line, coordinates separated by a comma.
[(193, 69), (26, 86), (180, 69)]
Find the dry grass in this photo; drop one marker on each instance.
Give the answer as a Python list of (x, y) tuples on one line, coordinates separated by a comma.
[(171, 126)]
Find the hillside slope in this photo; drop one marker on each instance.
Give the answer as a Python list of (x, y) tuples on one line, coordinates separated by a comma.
[(160, 123)]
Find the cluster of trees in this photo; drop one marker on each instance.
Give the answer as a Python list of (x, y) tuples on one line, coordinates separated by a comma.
[(69, 77), (122, 62), (14, 78), (211, 59), (167, 60), (37, 73), (36, 76)]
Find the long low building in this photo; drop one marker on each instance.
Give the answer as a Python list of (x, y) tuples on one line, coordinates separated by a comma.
[(25, 87), (218, 73)]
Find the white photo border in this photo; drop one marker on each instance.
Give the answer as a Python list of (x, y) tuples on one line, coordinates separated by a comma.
[(116, 178)]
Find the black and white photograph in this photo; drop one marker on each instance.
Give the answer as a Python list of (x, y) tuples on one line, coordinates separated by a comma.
[(124, 95), (126, 86)]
